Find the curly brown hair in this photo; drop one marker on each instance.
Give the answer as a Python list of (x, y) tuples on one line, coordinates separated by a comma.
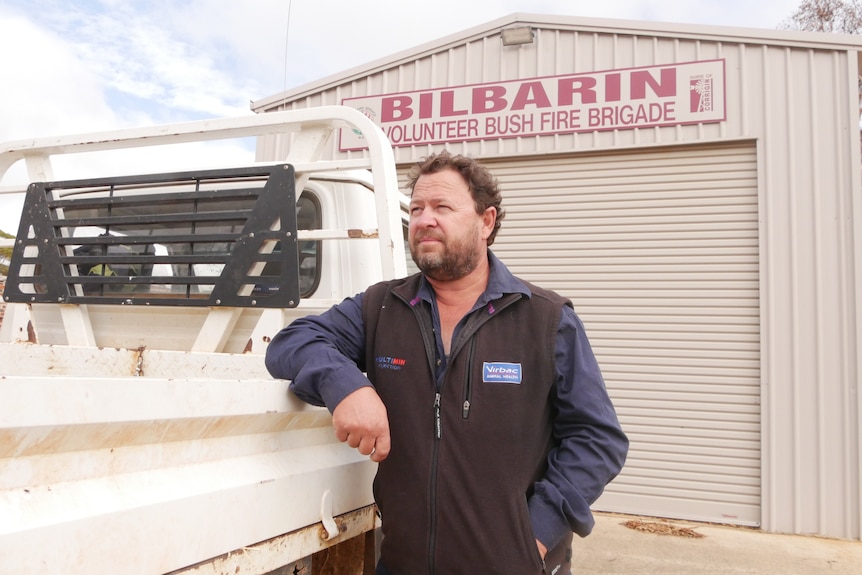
[(483, 186)]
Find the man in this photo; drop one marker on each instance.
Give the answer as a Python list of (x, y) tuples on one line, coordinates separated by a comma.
[(483, 401)]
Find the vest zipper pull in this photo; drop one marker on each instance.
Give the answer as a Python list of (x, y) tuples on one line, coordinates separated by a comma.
[(438, 422), (465, 411)]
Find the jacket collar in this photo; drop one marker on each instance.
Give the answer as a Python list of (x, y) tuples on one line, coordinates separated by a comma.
[(501, 282)]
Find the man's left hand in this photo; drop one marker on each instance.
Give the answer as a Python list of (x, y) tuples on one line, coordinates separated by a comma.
[(542, 549)]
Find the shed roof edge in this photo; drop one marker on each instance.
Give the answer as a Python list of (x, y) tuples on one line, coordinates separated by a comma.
[(705, 32)]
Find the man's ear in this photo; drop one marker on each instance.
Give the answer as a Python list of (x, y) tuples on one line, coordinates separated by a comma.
[(489, 220)]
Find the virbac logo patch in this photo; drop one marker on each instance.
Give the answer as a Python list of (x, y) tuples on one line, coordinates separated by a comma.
[(501, 372)]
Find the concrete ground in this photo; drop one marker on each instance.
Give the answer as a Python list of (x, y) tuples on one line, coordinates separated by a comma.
[(650, 546)]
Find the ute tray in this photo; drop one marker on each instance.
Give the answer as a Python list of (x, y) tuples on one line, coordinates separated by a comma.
[(221, 238)]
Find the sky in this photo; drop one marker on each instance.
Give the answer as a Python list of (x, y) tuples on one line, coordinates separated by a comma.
[(69, 67)]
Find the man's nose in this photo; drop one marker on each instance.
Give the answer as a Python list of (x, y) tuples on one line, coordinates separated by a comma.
[(426, 219)]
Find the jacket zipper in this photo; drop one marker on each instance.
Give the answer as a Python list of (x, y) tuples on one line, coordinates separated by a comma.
[(428, 339), (438, 433), (468, 379), (438, 421)]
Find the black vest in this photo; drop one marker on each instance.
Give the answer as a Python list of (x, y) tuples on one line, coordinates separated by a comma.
[(453, 491)]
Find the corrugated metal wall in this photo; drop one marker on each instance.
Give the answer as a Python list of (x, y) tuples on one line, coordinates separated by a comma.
[(797, 98), (658, 250)]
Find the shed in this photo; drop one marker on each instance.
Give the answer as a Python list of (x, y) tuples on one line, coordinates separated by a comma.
[(696, 192)]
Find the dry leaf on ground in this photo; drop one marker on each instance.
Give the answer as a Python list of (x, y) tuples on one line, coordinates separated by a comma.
[(662, 528)]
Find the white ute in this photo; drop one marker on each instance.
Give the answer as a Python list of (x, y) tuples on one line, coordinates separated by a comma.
[(139, 430)]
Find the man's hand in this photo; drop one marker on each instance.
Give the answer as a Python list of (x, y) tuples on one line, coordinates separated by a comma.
[(542, 549), (360, 420)]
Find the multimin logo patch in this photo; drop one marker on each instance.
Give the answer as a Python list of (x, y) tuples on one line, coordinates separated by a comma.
[(501, 372), (393, 363)]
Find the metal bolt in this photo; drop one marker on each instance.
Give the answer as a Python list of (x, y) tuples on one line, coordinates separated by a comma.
[(218, 302), (254, 302)]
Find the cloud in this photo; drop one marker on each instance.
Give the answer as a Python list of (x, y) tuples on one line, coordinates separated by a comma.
[(89, 72), (50, 87), (135, 54), (246, 38), (47, 90), (95, 65)]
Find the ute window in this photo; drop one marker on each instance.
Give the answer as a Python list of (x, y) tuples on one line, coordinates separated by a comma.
[(182, 238), (308, 217), (411, 265)]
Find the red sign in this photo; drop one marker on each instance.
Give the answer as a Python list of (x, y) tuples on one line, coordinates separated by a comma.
[(688, 93)]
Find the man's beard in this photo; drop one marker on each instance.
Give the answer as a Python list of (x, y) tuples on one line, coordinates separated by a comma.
[(457, 260)]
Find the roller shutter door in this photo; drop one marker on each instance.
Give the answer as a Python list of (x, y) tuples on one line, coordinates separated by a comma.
[(658, 251)]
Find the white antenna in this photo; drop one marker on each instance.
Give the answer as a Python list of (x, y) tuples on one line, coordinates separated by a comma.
[(286, 41)]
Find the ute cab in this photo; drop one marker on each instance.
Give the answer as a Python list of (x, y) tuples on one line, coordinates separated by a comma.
[(140, 429)]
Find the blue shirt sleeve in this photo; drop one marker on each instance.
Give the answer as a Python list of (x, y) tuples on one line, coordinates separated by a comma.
[(323, 355), (590, 446)]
